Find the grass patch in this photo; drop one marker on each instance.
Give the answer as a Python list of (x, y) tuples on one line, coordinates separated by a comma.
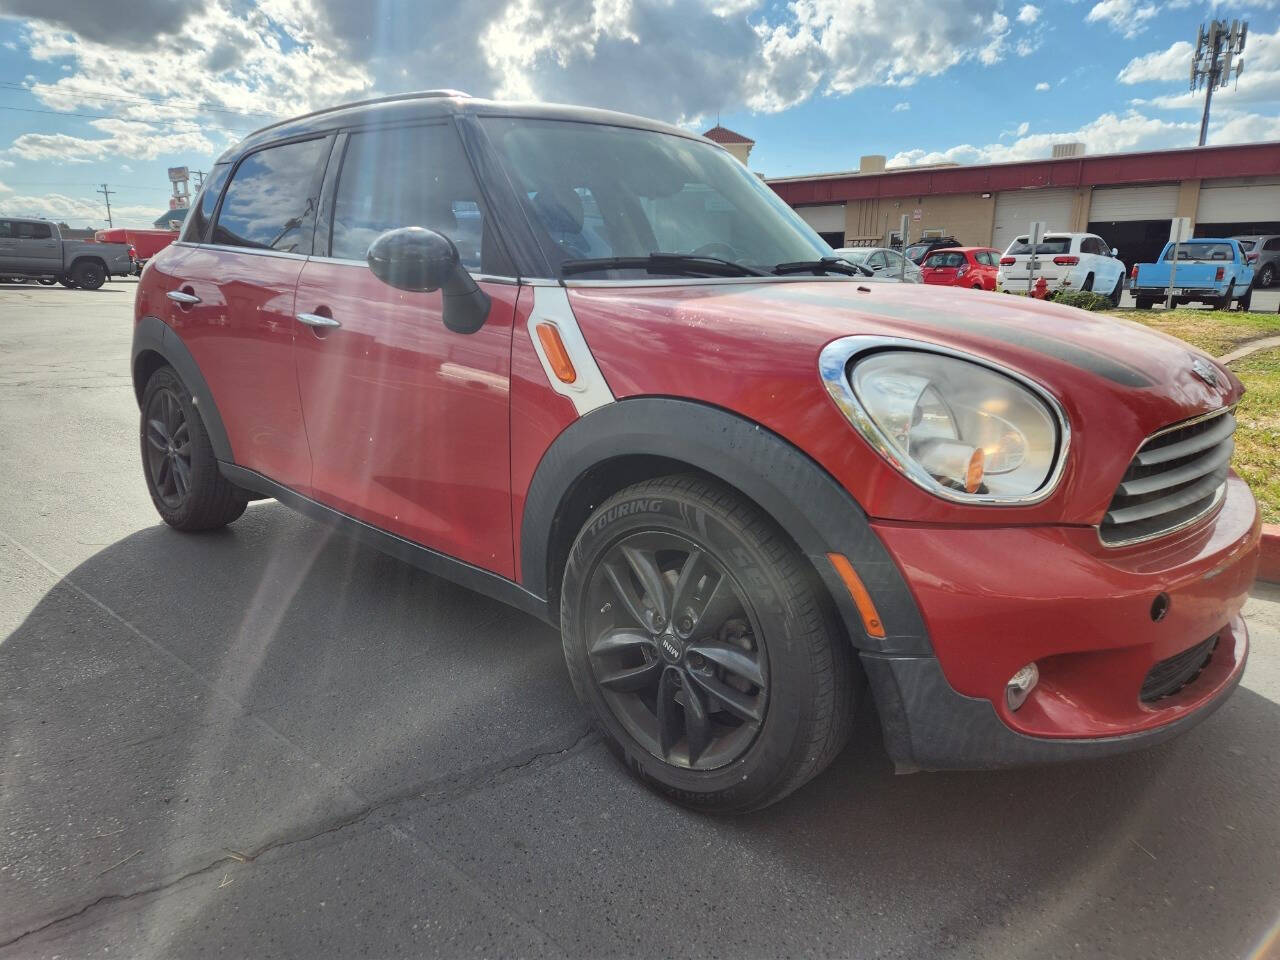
[(1257, 456), (1214, 331)]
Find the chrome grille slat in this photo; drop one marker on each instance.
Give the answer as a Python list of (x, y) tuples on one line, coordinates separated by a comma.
[(1215, 458), (1156, 454), (1177, 476)]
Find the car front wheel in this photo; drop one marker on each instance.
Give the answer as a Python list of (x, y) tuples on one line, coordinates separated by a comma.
[(704, 645)]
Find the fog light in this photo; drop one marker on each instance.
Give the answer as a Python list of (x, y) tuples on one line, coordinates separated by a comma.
[(1020, 686)]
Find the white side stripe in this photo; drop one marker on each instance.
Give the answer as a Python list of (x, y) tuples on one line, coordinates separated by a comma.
[(551, 305)]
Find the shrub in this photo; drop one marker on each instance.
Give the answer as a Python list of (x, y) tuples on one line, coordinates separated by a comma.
[(1082, 299)]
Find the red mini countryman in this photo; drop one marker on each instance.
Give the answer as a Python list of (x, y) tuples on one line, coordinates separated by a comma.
[(591, 366)]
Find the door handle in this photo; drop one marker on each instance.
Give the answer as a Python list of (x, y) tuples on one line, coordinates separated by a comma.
[(316, 320), (186, 299)]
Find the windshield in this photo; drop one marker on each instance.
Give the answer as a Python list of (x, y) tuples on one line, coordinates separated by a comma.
[(594, 191), (1202, 251), (1049, 245)]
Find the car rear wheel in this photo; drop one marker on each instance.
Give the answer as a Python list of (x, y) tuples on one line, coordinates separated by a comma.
[(1245, 302), (47, 281), (67, 282), (188, 490), (1088, 284), (1143, 303), (88, 275), (702, 642), (1224, 303), (1117, 292)]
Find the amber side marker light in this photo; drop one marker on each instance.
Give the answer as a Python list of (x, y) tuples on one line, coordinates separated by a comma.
[(557, 355), (858, 591)]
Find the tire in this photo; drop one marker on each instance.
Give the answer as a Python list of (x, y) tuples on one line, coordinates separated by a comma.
[(188, 490), (1224, 302), (47, 281), (1245, 302), (772, 677), (1118, 292), (1143, 303), (1267, 277), (88, 275), (67, 282), (1087, 286)]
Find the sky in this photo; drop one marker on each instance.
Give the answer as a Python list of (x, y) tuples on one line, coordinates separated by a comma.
[(90, 95)]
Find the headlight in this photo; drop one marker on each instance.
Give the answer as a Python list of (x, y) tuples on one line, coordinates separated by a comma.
[(956, 427)]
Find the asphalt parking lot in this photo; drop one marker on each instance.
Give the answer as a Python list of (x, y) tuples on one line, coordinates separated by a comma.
[(272, 742)]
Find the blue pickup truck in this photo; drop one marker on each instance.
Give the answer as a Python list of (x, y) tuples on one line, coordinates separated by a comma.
[(1210, 271)]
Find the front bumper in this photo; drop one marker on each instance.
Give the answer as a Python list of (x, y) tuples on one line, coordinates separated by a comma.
[(995, 599)]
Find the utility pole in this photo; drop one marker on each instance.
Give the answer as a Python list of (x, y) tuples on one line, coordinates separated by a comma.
[(199, 179), (1211, 64), (106, 194)]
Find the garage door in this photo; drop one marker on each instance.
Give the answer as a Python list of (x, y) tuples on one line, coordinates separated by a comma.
[(828, 218), (1016, 209), (1123, 204), (1239, 203)]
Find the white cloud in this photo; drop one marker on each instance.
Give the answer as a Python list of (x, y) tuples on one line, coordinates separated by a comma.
[(78, 211), (1159, 66), (1128, 17), (1029, 13), (129, 138), (902, 106), (1042, 86)]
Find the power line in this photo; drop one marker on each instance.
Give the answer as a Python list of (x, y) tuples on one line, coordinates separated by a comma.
[(164, 101), (107, 116)]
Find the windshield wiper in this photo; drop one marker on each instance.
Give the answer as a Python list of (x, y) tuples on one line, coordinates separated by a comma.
[(681, 263), (822, 267)]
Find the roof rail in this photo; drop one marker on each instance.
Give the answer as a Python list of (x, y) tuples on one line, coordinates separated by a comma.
[(392, 98)]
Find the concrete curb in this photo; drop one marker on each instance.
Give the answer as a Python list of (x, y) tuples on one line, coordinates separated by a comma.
[(1269, 565)]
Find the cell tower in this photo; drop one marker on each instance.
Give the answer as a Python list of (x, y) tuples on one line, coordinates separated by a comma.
[(1218, 55)]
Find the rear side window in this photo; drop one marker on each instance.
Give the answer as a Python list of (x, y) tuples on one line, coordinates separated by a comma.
[(409, 177), (271, 200), (1272, 244), (196, 227)]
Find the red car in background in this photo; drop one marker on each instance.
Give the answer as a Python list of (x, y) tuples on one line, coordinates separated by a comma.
[(593, 367), (146, 243), (974, 267)]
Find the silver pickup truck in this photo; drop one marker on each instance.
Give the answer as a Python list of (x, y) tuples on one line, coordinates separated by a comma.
[(34, 249)]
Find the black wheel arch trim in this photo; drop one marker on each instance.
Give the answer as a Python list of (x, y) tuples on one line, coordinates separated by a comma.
[(153, 335), (806, 501), (458, 571)]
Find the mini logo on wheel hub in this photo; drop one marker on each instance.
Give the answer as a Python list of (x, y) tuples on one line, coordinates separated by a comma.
[(670, 649)]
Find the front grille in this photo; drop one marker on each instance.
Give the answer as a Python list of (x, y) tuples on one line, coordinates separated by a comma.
[(1177, 476), (1169, 676)]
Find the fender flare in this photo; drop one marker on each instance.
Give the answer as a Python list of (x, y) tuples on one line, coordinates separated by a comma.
[(153, 335), (804, 499)]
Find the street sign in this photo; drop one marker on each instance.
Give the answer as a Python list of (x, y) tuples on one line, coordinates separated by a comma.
[(179, 174), (1180, 229), (916, 214)]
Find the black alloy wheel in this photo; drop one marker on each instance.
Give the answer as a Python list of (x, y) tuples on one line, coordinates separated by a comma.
[(676, 649), (168, 446)]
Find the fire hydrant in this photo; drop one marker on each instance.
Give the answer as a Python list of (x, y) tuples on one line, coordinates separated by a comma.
[(1041, 288)]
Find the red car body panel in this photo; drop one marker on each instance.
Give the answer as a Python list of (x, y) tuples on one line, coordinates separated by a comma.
[(753, 348), (241, 334), (408, 423), (972, 275), (146, 243)]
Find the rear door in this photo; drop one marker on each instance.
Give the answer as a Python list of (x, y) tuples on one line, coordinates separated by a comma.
[(8, 247), (409, 423), (39, 250), (236, 311)]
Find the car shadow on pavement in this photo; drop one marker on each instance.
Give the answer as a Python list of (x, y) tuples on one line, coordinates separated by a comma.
[(201, 732)]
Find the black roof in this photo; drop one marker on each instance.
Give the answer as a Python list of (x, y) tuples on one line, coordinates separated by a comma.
[(437, 103)]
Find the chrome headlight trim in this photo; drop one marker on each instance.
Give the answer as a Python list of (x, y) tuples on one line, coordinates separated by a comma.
[(833, 366)]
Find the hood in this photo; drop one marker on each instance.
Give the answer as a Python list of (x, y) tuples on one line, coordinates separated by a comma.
[(752, 347)]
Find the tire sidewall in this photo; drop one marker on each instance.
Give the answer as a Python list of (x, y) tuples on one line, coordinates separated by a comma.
[(792, 689), (202, 460), (90, 272)]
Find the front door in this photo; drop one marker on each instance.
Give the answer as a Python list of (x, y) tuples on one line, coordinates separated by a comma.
[(38, 249), (408, 422), (240, 326)]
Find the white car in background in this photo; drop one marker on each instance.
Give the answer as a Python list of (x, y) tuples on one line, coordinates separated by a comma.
[(883, 262), (1070, 261)]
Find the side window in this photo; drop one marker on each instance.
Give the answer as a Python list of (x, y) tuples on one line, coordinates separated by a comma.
[(34, 231), (196, 228), (271, 199), (6, 229), (1272, 244), (409, 177), (876, 261)]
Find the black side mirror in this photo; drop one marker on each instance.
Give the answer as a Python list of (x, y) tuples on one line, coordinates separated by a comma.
[(421, 261)]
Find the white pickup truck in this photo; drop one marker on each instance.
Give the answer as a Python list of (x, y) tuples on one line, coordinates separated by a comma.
[(1071, 261), (34, 249)]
